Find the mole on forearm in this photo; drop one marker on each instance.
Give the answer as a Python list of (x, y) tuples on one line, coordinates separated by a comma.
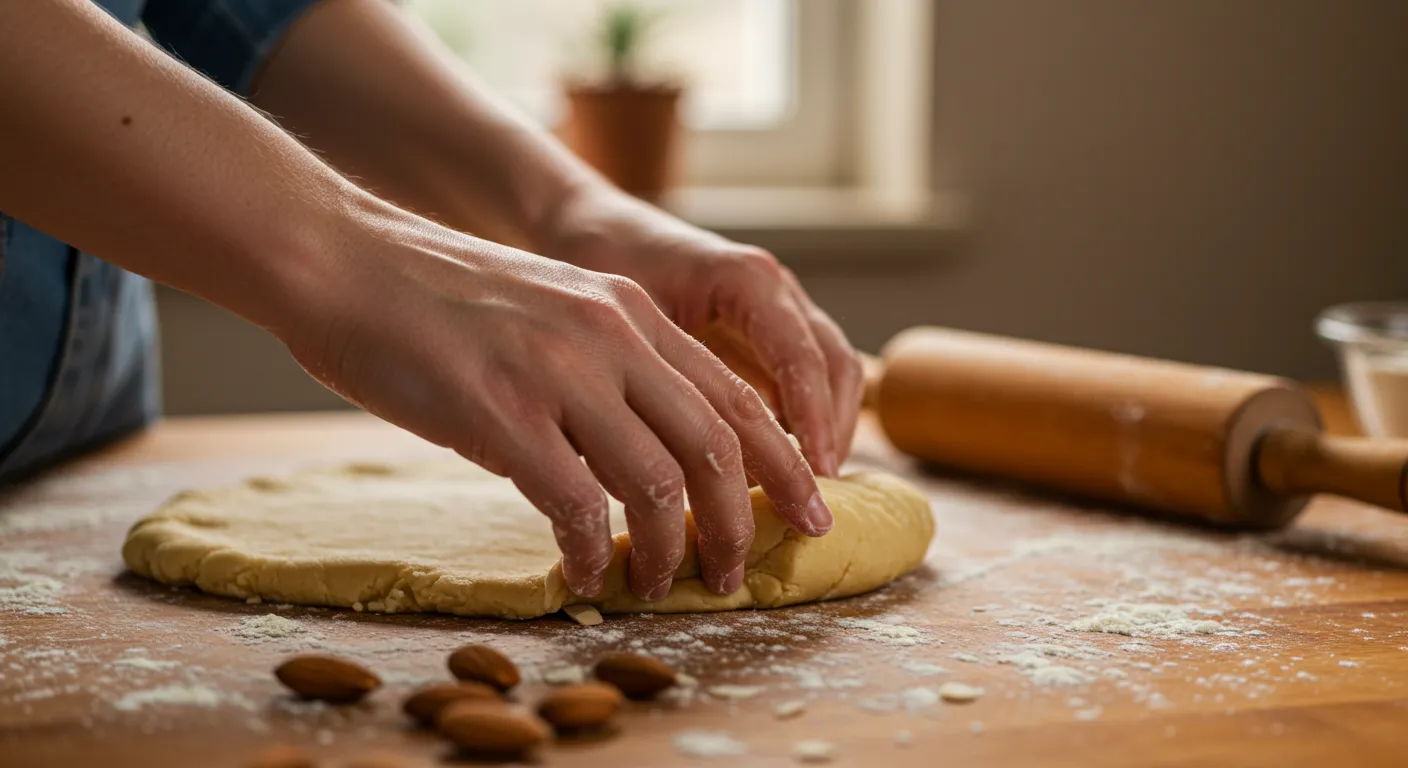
[(126, 119)]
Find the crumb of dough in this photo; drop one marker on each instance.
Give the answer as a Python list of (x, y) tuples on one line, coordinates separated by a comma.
[(736, 692), (791, 708), (568, 675), (959, 693)]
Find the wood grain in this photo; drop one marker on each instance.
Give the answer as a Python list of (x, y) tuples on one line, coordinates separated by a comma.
[(1314, 674)]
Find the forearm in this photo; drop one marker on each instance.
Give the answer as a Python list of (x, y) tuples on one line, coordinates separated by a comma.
[(386, 104), (116, 148)]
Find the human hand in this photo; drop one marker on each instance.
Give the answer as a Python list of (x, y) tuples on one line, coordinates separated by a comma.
[(522, 364), (747, 307)]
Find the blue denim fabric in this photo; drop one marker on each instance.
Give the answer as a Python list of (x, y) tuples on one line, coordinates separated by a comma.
[(78, 360)]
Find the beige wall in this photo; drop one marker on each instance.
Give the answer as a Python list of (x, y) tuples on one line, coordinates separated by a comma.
[(1186, 178)]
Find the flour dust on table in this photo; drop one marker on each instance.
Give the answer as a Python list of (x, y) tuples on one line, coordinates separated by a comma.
[(452, 538)]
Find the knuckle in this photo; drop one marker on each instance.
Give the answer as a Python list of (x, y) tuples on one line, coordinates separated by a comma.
[(662, 487), (744, 403), (853, 371), (577, 504), (808, 353), (759, 261), (598, 310), (627, 293), (795, 465), (741, 539), (731, 538), (721, 448), (656, 562)]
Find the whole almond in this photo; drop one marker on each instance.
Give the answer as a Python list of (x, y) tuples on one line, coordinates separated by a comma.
[(327, 678), (425, 704), (283, 756), (482, 664), (581, 706), (491, 727), (639, 677)]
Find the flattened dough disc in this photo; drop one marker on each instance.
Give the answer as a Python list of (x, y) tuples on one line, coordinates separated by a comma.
[(450, 537)]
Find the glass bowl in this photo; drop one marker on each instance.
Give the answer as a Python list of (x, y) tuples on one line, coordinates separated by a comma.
[(1372, 341)]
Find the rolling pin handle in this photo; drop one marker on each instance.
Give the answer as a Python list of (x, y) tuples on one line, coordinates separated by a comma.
[(1299, 462)]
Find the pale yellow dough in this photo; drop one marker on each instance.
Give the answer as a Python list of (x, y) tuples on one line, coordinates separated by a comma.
[(450, 537)]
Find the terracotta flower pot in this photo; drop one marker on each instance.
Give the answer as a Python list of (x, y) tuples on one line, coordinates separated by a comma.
[(628, 133)]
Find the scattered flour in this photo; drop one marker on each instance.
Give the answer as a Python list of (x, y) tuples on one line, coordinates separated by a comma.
[(885, 632), (179, 695), (147, 665), (915, 699), (266, 628), (812, 679), (1059, 677), (30, 594), (712, 630), (1150, 620), (25, 592), (883, 703), (923, 669), (709, 744), (903, 738), (1102, 546)]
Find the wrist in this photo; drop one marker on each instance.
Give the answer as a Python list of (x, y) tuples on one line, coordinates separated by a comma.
[(302, 257)]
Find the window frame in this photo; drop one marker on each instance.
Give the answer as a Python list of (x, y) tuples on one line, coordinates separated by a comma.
[(811, 144)]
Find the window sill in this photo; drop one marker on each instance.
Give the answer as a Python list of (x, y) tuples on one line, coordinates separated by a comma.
[(807, 225)]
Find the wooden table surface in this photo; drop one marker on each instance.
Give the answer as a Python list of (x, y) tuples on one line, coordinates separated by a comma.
[(1306, 664)]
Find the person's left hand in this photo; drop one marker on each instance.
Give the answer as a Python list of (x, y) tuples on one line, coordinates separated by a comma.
[(749, 309)]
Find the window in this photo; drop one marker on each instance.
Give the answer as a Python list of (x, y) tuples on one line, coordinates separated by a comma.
[(767, 80)]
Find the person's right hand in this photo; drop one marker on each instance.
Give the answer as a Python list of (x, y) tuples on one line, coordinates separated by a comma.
[(522, 365)]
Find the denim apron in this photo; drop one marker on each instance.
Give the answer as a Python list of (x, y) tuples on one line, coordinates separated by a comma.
[(78, 357)]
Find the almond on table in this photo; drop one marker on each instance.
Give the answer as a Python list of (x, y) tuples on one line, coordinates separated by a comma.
[(491, 727), (425, 704), (639, 677), (327, 678), (482, 664), (581, 706)]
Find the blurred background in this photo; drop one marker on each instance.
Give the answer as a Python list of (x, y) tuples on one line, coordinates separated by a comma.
[(1192, 179)]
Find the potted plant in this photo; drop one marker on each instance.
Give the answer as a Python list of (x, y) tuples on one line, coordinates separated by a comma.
[(624, 126)]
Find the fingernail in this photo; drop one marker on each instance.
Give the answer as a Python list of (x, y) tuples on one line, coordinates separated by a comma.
[(833, 464), (819, 515), (734, 580), (659, 592)]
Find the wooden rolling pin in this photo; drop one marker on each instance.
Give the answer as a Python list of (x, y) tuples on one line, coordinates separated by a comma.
[(1221, 446)]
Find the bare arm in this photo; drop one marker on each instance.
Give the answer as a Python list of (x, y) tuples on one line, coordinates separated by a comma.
[(118, 149), (519, 363), (385, 103)]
